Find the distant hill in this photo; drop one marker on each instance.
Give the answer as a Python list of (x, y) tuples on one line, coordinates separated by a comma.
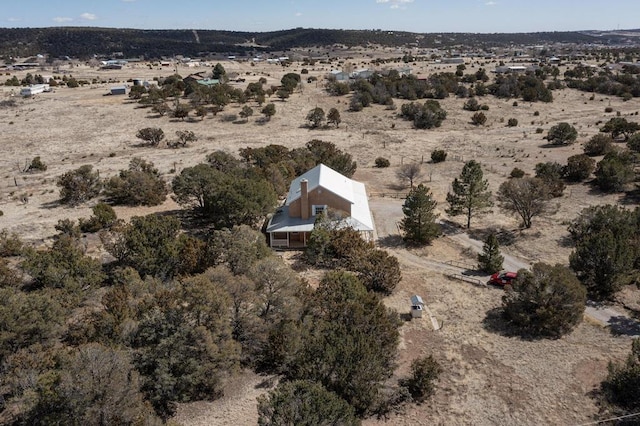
[(84, 42)]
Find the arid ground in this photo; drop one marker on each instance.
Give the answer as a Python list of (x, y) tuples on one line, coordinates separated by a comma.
[(488, 378)]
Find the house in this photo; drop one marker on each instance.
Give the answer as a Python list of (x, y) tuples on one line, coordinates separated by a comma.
[(319, 190)]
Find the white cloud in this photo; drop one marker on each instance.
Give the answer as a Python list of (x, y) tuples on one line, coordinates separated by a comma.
[(14, 19), (88, 16), (299, 14), (490, 3), (395, 4), (128, 1), (61, 19)]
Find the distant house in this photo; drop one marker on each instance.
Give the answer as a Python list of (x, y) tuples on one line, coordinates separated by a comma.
[(362, 73), (208, 82), (402, 71), (119, 90), (514, 69), (340, 75), (455, 60), (319, 190), (34, 89)]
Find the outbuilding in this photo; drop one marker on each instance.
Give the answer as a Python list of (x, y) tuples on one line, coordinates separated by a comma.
[(119, 90), (417, 306)]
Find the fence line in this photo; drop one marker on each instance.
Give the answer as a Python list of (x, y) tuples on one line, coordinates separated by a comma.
[(465, 278)]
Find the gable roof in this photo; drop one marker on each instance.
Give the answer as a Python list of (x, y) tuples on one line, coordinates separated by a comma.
[(326, 178), (350, 190)]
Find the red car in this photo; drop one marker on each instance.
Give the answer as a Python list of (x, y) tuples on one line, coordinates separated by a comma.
[(503, 278)]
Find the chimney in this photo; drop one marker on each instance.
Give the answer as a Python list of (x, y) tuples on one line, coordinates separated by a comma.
[(304, 199)]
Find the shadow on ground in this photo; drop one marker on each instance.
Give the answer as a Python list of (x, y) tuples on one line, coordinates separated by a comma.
[(624, 326), (391, 241)]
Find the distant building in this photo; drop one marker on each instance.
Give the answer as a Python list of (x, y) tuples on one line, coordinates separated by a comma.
[(208, 81), (119, 90), (340, 75), (452, 60), (34, 89)]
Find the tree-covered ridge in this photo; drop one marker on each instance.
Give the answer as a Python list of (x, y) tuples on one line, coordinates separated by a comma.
[(87, 41)]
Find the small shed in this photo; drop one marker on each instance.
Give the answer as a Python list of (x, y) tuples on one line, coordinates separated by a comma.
[(119, 90), (417, 306)]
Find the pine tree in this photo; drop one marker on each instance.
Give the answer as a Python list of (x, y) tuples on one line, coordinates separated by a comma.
[(419, 222), (490, 260), (470, 195)]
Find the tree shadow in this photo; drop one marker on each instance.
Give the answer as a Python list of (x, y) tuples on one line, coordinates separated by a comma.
[(631, 197), (449, 227), (506, 237), (566, 241), (495, 322), (51, 205), (391, 241), (624, 326), (406, 317), (397, 187)]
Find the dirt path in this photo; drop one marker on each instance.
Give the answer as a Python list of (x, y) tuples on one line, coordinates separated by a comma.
[(387, 213)]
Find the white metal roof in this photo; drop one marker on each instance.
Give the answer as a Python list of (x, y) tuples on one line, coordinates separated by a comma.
[(350, 190), (326, 178)]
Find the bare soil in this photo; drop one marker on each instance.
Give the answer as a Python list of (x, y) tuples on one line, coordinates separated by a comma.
[(488, 378)]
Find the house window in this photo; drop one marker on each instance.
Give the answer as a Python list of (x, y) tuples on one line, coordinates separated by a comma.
[(319, 209)]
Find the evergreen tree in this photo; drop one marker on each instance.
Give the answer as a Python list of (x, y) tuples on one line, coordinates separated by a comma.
[(419, 222), (490, 260), (470, 195), (349, 341), (306, 404), (547, 301), (334, 117), (622, 386)]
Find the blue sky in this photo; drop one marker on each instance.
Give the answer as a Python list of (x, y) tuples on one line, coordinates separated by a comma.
[(485, 16)]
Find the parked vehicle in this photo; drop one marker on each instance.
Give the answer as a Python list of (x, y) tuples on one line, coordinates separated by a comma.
[(503, 278)]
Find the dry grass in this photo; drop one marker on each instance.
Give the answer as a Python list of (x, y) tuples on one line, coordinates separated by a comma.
[(489, 378)]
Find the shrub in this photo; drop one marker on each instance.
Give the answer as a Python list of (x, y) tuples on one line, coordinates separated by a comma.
[(10, 244), (622, 385), (80, 185), (614, 172), (599, 144), (103, 217), (141, 184), (36, 165), (479, 119), (579, 167), (471, 105), (424, 371), (438, 155), (536, 113), (382, 162), (562, 134), (512, 122), (517, 173), (539, 130), (608, 109), (151, 135)]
